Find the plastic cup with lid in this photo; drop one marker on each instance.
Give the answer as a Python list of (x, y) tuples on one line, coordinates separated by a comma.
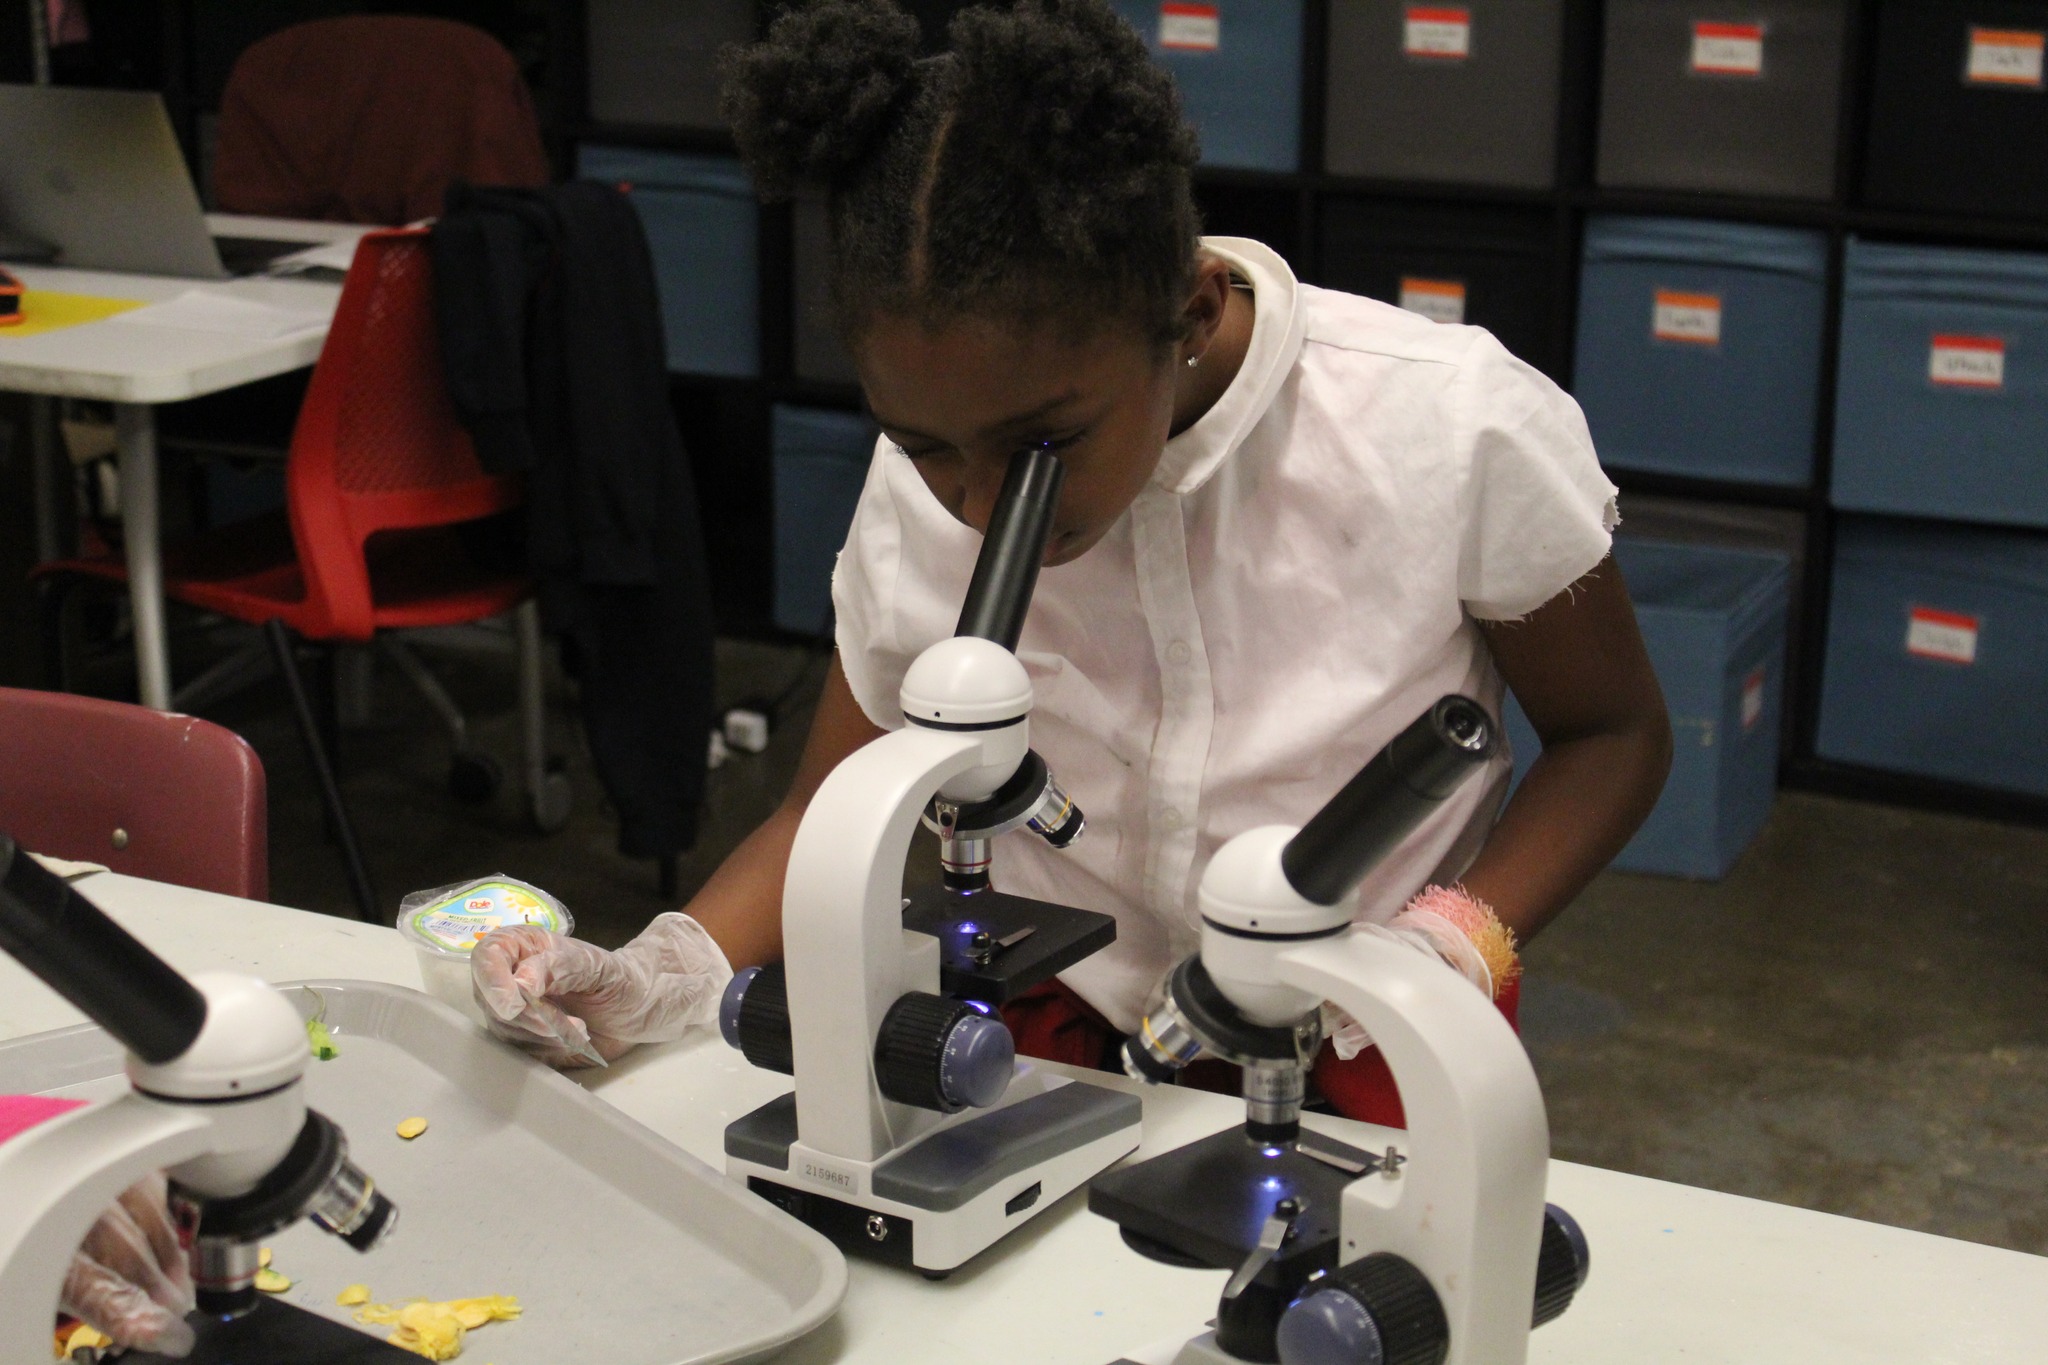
[(445, 925)]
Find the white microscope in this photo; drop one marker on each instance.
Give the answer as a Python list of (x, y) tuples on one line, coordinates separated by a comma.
[(915, 1136), (215, 1099), (1437, 1251)]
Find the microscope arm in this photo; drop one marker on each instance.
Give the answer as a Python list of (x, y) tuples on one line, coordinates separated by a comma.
[(842, 916), (1478, 1140), (46, 1208)]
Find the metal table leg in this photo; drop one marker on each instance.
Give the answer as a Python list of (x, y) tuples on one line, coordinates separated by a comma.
[(135, 429), (50, 471)]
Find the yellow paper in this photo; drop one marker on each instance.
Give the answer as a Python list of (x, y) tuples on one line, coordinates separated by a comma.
[(45, 310)]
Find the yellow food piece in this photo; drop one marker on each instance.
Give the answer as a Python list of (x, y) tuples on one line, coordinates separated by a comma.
[(263, 1258), (270, 1282), (80, 1338), (412, 1128), (436, 1330), (353, 1295)]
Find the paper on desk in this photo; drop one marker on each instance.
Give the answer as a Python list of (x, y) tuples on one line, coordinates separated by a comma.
[(207, 310), (326, 256)]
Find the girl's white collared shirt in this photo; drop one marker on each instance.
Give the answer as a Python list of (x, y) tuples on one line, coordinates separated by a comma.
[(1298, 582)]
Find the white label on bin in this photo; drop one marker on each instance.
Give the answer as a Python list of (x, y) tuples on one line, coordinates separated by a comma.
[(1752, 699), (1959, 362), (1437, 300), (1191, 28), (1439, 33), (1727, 49), (1692, 318), (1945, 635), (2003, 56)]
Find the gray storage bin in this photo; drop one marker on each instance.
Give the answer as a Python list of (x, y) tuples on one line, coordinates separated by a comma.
[(654, 63), (1458, 93), (1746, 101), (819, 354), (704, 234)]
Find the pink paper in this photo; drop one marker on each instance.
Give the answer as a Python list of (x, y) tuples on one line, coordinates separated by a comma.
[(19, 1113)]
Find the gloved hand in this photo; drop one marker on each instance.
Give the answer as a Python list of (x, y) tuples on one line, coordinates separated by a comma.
[(572, 1003), (131, 1279), (1450, 924)]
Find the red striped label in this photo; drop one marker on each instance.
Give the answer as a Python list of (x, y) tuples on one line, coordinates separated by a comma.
[(1720, 49), (1948, 636), (1190, 28), (1967, 362), (1438, 33)]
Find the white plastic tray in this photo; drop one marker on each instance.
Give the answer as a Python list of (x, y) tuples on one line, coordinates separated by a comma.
[(620, 1246)]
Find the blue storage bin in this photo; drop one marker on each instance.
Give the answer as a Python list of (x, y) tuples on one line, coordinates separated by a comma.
[(1942, 406), (1714, 622), (1937, 648), (1238, 64), (821, 462), (702, 226), (1699, 347)]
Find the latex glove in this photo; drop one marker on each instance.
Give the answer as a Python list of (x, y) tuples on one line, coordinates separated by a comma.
[(572, 1003), (1451, 925), (131, 1278)]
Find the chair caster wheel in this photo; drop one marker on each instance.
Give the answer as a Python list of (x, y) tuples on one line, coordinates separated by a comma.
[(553, 802), (474, 778)]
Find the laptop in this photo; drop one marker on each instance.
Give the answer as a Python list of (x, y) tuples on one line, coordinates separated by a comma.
[(94, 179)]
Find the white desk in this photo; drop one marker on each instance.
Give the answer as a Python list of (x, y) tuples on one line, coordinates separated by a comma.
[(135, 368), (1679, 1274)]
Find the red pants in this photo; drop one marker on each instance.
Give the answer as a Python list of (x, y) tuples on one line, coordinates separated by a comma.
[(1052, 1022)]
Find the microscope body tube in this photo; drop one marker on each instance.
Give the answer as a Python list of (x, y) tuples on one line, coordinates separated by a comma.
[(1388, 798), (84, 956), (1006, 571)]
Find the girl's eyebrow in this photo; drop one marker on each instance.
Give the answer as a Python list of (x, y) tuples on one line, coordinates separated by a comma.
[(1005, 424)]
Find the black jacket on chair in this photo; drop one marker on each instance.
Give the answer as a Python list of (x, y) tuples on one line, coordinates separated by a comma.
[(551, 337)]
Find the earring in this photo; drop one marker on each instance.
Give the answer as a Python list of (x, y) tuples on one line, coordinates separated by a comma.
[(1193, 361)]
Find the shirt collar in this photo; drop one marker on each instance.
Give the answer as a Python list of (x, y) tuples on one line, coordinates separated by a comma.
[(1277, 332)]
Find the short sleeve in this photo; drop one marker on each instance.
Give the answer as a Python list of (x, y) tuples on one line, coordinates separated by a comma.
[(863, 589), (1538, 514)]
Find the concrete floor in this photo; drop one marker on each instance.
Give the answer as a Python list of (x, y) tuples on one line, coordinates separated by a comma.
[(1852, 1022)]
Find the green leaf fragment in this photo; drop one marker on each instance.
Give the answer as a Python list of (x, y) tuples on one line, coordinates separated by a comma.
[(322, 1041)]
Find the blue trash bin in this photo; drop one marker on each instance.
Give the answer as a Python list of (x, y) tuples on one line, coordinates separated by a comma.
[(1238, 65), (821, 462), (702, 226), (1937, 651), (1713, 620), (1942, 405), (1699, 347)]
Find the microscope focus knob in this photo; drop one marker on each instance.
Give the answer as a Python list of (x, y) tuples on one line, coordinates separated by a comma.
[(1562, 1264), (753, 1016), (1377, 1311), (943, 1054)]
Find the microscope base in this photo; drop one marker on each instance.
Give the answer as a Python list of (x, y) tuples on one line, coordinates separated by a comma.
[(935, 1204)]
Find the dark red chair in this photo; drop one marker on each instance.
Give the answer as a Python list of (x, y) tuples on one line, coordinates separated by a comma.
[(367, 118), (148, 793), (380, 485)]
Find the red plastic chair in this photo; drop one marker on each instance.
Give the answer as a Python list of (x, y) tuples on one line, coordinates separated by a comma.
[(380, 480), (148, 793), (367, 118)]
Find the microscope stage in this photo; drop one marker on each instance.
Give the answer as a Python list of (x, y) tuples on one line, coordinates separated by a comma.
[(279, 1334)]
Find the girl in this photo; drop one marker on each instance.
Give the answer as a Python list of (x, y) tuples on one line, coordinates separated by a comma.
[(1292, 519)]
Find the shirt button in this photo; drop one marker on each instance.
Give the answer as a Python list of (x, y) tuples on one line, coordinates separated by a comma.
[(1178, 652), (1170, 817)]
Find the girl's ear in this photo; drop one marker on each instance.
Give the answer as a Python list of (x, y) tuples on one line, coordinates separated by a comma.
[(1206, 305)]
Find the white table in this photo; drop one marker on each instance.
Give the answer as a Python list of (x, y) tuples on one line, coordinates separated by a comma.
[(135, 368), (1679, 1274)]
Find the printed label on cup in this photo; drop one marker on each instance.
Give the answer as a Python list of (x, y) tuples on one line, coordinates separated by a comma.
[(1945, 635), (1720, 49), (1960, 362), (1752, 699), (1691, 318), (1438, 33), (1437, 300), (1190, 28), (2007, 57)]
